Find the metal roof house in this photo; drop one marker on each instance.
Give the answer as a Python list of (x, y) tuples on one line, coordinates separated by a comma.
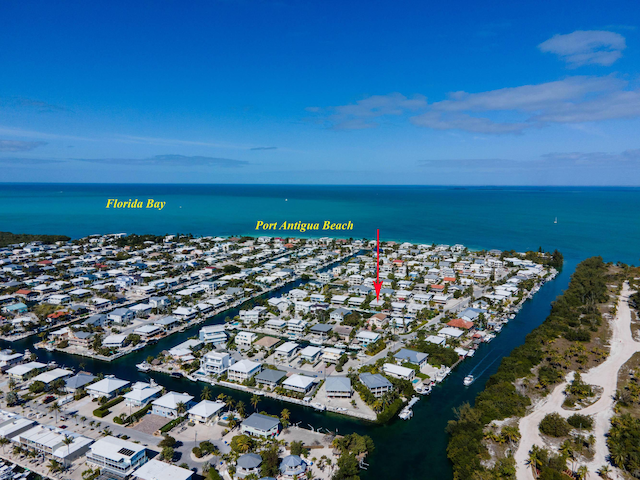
[(261, 425), (411, 356), (248, 464), (338, 387), (167, 405), (270, 377), (376, 383), (292, 466)]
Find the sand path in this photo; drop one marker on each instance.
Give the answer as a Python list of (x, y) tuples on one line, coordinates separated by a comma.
[(623, 346)]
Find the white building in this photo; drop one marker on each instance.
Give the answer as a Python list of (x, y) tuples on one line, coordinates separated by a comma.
[(107, 387), (365, 337), (142, 393), (49, 441), (397, 371), (299, 383), (286, 351), (168, 404), (156, 470), (243, 370), (206, 412), (117, 456), (245, 339), (216, 363)]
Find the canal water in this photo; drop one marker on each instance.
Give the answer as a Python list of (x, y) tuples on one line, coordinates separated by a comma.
[(413, 449)]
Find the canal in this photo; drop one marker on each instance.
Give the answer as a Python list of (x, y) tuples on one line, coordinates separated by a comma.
[(415, 449)]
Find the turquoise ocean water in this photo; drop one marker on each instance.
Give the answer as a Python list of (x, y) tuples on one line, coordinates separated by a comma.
[(590, 222)]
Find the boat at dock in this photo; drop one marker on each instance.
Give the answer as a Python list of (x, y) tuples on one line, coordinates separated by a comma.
[(406, 413), (143, 367)]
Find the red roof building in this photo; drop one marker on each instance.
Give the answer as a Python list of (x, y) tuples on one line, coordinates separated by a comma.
[(460, 323)]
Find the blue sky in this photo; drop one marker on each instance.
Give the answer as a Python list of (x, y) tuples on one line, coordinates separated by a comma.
[(488, 93)]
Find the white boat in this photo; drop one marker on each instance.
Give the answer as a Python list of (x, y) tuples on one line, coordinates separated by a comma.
[(143, 367), (468, 380), (471, 353), (406, 414), (319, 406)]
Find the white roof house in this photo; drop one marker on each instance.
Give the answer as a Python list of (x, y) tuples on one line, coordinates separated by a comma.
[(299, 383), (107, 387), (116, 455), (452, 332), (287, 349), (436, 339), (113, 341), (156, 470), (25, 369), (243, 370), (48, 439), (167, 405), (141, 393), (52, 375), (398, 372), (205, 411), (310, 353), (11, 424)]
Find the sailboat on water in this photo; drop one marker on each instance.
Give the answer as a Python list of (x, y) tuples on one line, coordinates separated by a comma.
[(556, 220)]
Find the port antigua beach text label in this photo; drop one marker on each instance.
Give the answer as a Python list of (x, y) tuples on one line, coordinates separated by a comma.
[(303, 226), (150, 203)]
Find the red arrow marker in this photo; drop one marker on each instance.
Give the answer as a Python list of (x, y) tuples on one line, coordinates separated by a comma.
[(378, 284)]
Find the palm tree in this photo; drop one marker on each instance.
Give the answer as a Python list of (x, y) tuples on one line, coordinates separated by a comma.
[(12, 383), (582, 472), (240, 408), (83, 419), (254, 402), (181, 408), (4, 441), (75, 417), (67, 441), (55, 407), (284, 417), (206, 393), (222, 397), (534, 460), (604, 471)]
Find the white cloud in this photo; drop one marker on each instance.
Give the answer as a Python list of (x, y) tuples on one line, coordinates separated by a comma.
[(591, 47), (573, 100), (18, 145), (366, 113)]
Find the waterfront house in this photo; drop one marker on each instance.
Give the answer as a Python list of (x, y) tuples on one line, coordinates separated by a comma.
[(338, 387), (270, 377), (260, 425), (114, 341), (213, 334), (26, 370), (168, 404), (377, 384), (8, 359), (397, 371), (216, 363), (299, 383), (243, 370), (206, 412)]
